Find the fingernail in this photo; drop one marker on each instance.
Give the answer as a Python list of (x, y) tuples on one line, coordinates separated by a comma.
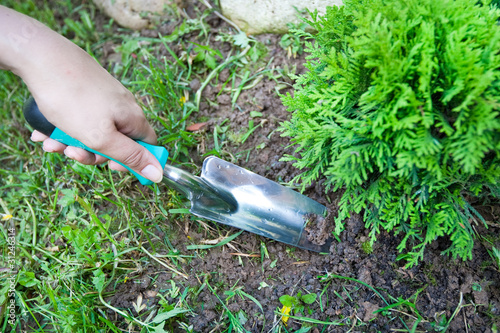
[(37, 136), (152, 173)]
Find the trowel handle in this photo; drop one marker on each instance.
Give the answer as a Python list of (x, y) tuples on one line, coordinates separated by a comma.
[(36, 119)]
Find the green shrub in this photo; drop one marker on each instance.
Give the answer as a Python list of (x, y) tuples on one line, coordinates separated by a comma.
[(400, 107)]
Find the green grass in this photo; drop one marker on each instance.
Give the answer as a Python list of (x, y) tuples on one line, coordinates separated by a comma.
[(79, 229), (397, 308), (83, 233)]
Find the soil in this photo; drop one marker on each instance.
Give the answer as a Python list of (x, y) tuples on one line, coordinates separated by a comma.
[(467, 292)]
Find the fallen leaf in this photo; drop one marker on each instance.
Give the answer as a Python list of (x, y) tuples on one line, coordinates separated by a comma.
[(195, 127), (213, 241), (139, 306)]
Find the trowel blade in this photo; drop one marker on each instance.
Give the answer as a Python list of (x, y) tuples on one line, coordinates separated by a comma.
[(231, 195)]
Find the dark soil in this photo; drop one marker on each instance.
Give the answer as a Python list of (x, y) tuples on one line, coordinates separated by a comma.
[(440, 287)]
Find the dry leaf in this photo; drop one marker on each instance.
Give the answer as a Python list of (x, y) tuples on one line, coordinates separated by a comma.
[(195, 127)]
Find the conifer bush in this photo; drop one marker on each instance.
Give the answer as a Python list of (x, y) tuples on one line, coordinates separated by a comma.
[(399, 107)]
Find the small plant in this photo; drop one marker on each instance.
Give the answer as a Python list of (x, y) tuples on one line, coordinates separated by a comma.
[(291, 42), (206, 55), (367, 247), (299, 303), (476, 286), (400, 108), (495, 254)]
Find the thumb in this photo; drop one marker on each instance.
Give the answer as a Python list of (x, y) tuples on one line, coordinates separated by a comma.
[(131, 154)]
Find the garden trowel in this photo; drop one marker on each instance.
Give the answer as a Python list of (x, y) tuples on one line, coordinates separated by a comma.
[(224, 193)]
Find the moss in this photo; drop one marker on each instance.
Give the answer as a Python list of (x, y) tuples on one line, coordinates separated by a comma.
[(367, 247)]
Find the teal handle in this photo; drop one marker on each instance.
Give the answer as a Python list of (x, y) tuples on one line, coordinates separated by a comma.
[(36, 119)]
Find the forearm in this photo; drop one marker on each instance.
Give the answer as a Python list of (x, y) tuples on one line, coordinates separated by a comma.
[(20, 37), (36, 53)]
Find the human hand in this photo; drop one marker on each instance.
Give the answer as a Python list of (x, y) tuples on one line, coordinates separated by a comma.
[(78, 96), (102, 126), (97, 110)]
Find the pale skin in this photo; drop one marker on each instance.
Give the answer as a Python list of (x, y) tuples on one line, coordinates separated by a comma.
[(77, 95)]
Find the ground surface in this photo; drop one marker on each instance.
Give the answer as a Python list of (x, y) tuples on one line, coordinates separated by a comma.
[(351, 282), (462, 296)]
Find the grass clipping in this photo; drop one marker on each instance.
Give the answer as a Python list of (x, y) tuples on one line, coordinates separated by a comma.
[(400, 107)]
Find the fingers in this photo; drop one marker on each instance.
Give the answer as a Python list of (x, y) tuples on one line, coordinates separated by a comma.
[(116, 166), (38, 136), (136, 126), (77, 154), (84, 156), (128, 152), (49, 145)]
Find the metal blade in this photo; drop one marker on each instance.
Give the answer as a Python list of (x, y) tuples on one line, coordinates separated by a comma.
[(231, 195)]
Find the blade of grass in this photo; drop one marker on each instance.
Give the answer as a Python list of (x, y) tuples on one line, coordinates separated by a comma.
[(163, 264), (221, 243), (95, 219), (239, 88), (312, 320)]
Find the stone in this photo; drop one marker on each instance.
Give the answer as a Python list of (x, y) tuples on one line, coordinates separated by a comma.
[(270, 16), (369, 308), (134, 14)]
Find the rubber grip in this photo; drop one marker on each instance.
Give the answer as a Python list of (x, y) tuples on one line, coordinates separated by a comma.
[(38, 121)]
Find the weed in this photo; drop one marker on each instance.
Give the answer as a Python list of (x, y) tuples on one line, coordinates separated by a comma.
[(292, 42), (236, 320), (405, 309), (166, 88), (495, 254), (186, 27), (82, 29), (298, 303), (206, 55)]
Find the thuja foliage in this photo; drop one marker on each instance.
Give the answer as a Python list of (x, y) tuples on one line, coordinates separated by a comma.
[(399, 107)]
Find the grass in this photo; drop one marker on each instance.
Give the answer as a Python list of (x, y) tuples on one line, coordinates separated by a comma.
[(396, 308), (87, 236), (83, 233)]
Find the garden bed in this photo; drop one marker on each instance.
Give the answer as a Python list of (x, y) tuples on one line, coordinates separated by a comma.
[(238, 286), (440, 292)]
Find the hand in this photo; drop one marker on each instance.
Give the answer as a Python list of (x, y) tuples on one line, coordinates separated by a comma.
[(77, 95)]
